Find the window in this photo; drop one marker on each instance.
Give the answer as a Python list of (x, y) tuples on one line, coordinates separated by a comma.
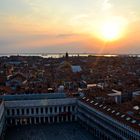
[(8, 112), (13, 112), (55, 109), (50, 109), (59, 108), (64, 108), (68, 108), (73, 108), (41, 110), (27, 111), (46, 110), (17, 111), (32, 110), (36, 110), (22, 111)]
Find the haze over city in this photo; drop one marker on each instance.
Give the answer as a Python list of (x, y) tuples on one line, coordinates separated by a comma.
[(103, 26)]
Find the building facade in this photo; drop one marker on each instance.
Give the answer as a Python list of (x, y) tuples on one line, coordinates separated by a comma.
[(55, 108), (2, 118)]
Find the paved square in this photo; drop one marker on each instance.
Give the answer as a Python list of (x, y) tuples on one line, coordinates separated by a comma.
[(62, 131)]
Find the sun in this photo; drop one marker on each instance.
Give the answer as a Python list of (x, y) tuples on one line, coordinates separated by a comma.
[(111, 30)]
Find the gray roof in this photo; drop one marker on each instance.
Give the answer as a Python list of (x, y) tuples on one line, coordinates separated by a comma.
[(76, 69), (33, 96)]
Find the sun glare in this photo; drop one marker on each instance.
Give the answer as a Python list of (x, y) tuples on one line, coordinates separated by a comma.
[(111, 30)]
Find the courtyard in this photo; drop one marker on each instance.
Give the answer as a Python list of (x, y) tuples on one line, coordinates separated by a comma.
[(61, 131)]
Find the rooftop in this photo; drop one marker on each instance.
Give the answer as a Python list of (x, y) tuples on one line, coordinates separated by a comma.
[(33, 96), (115, 114)]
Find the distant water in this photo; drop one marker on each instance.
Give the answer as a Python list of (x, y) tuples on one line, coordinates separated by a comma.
[(59, 55)]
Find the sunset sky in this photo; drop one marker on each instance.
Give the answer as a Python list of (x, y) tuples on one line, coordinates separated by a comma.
[(95, 26)]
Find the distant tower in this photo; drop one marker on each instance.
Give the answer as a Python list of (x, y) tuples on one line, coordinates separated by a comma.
[(67, 56)]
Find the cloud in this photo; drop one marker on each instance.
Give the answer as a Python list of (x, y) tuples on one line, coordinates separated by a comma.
[(106, 5), (25, 42), (16, 7), (66, 35)]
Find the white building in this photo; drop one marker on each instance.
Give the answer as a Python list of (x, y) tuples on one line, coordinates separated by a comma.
[(76, 69)]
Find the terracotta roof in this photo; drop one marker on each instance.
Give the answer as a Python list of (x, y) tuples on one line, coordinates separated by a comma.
[(115, 114)]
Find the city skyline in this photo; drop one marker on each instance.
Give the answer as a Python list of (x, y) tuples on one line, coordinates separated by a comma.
[(103, 26)]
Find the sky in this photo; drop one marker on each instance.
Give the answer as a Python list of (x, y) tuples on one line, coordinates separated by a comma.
[(76, 26)]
